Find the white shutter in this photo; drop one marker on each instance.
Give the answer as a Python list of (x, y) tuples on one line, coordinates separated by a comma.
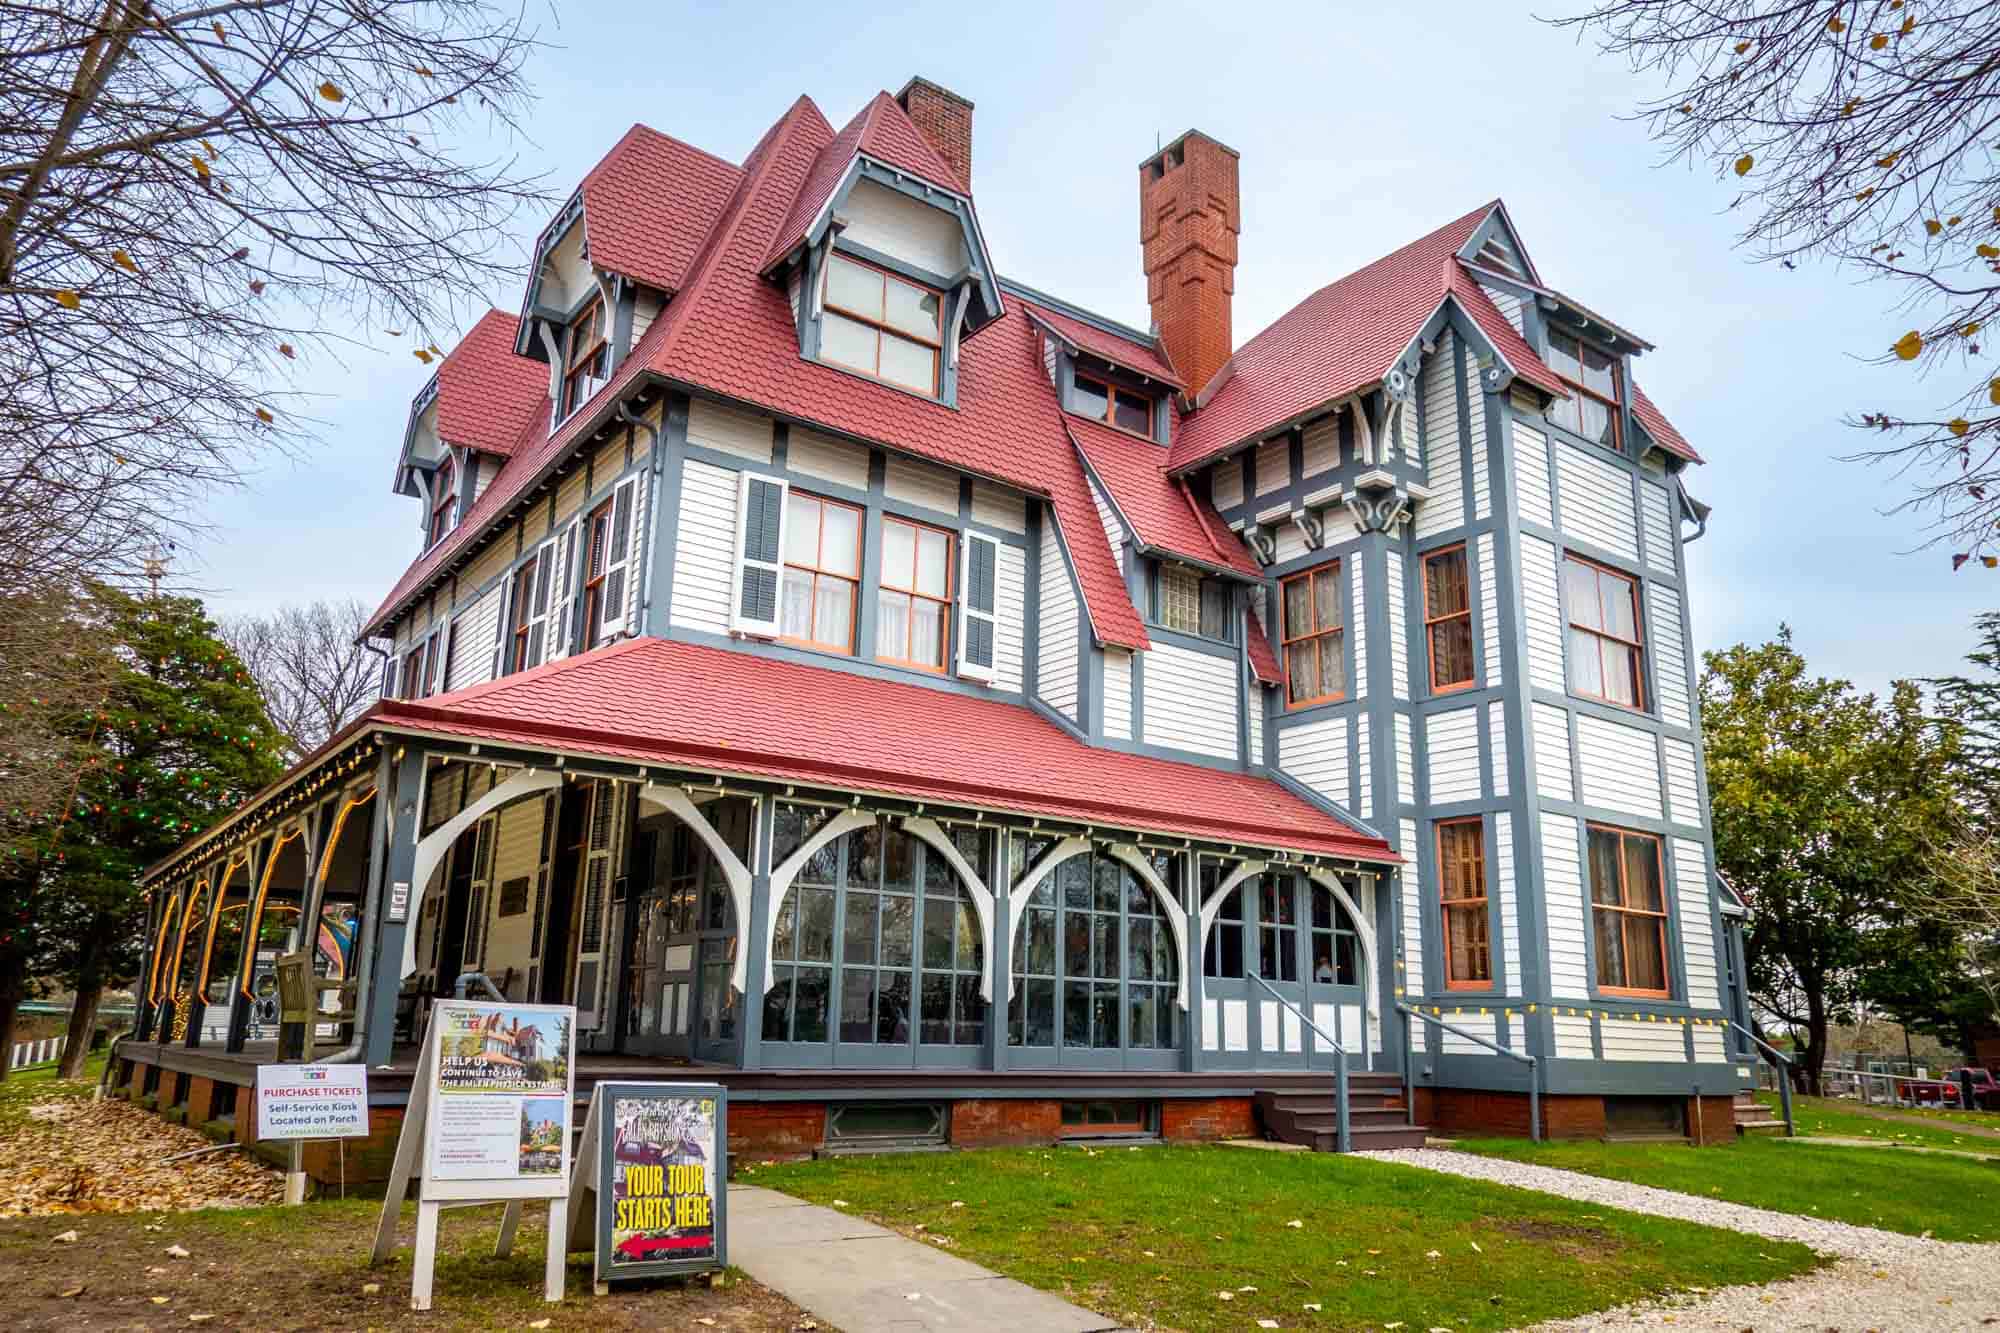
[(760, 554), (618, 560), (535, 647), (503, 629), (562, 591), (978, 606), (389, 665)]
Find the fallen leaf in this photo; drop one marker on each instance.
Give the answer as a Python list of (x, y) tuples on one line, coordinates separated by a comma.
[(539, 1323), (176, 1252), (157, 1300), (1267, 1323), (66, 1238), (68, 1292), (1314, 1306), (840, 1203), (1225, 1295), (1475, 1247), (200, 1318), (1246, 1288), (1433, 1254), (958, 1203), (371, 1288)]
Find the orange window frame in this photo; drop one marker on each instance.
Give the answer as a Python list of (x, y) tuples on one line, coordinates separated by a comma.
[(578, 359), (522, 596), (1624, 909), (818, 572), (1110, 417), (1473, 874), (879, 322), (444, 493), (596, 563), (1636, 643), (1432, 620), (1611, 404), (943, 603), (1316, 633)]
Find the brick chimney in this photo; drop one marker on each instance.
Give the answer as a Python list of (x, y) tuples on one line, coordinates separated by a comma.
[(944, 118), (1190, 212)]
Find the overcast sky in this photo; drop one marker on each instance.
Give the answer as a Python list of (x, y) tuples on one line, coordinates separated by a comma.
[(1359, 130)]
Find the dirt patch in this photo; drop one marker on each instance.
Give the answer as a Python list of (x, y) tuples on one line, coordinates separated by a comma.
[(78, 1156), (1572, 1240)]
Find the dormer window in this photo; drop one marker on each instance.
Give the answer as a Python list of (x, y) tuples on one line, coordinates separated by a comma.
[(881, 325), (444, 502), (1113, 406), (586, 358), (1591, 410)]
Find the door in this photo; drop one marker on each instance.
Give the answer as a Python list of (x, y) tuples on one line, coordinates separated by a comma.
[(657, 1009), (1336, 986)]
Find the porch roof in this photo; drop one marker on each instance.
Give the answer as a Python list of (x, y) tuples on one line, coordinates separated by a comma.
[(686, 705)]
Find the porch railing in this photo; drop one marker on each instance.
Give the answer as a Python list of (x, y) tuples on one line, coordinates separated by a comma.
[(1343, 1134), (1781, 1064), (1520, 1057)]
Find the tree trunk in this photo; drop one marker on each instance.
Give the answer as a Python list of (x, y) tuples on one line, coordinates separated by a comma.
[(11, 992), (82, 1021), (1815, 1042)]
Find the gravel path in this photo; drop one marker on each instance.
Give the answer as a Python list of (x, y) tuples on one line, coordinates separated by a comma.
[(1884, 1280)]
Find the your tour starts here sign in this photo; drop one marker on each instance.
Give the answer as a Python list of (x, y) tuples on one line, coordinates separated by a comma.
[(659, 1198), (652, 1168)]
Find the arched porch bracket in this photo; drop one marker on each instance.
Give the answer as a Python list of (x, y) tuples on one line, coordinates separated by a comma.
[(676, 802), (249, 860), (781, 883), (1128, 855), (181, 935), (433, 846), (1026, 885), (1364, 930), (982, 898), (296, 827), (1244, 870), (167, 916)]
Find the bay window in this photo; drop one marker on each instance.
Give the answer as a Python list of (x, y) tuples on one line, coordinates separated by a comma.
[(1606, 658), (913, 617), (883, 326), (1628, 909)]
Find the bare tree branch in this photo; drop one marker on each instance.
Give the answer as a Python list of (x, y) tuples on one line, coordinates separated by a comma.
[(310, 666)]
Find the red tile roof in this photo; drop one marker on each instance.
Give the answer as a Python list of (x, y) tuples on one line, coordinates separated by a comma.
[(1143, 357), (1341, 339), (1661, 429), (649, 204), (485, 393), (717, 710)]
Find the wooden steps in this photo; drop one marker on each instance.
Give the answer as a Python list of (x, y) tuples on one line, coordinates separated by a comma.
[(1753, 1117), (1376, 1116)]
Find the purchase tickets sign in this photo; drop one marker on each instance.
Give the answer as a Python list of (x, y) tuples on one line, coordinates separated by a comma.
[(312, 1102), (662, 1155), (499, 1103)]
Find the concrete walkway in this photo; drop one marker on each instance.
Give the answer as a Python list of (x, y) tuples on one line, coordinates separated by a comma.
[(862, 1277)]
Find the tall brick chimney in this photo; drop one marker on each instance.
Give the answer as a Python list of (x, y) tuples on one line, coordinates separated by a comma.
[(945, 119), (1190, 212)]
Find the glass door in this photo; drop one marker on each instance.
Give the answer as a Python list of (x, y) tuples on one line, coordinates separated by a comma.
[(1335, 986)]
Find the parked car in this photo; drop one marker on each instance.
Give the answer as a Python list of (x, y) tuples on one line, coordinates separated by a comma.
[(1927, 1091), (1985, 1089)]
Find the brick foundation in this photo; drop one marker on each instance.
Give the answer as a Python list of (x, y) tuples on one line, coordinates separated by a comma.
[(200, 1093), (1002, 1123), (1711, 1120), (776, 1129), (1469, 1111), (1199, 1121)]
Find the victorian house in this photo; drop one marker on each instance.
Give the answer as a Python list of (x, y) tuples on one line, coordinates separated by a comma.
[(941, 712)]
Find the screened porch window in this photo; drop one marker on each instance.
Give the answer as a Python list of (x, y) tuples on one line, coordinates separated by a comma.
[(1094, 961)]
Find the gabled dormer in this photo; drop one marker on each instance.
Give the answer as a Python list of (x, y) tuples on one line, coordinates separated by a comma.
[(1102, 371), (882, 257)]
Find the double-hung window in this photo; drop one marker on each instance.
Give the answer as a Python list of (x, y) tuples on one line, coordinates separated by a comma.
[(884, 326), (529, 599), (1468, 950), (1113, 406), (444, 502), (822, 572), (1591, 410), (913, 616), (1448, 619), (586, 358), (1628, 909), (1193, 604), (1315, 637), (1606, 657)]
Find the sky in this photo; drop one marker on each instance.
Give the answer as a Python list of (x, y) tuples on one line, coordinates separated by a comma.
[(1359, 129)]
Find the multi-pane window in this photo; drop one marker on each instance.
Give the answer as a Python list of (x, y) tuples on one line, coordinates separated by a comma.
[(605, 540), (822, 572), (529, 600), (1193, 604), (1448, 619), (586, 358), (1605, 654), (1094, 960), (444, 502), (1315, 637), (1468, 949), (1591, 410), (1224, 955), (1628, 910), (913, 618), (882, 325), (1113, 406), (1277, 927), (1336, 945)]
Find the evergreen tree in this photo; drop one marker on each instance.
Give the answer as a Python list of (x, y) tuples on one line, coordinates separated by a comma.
[(1973, 701)]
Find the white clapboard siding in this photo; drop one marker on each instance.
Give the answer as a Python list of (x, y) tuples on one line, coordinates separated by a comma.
[(1697, 928), (1114, 531), (1683, 793), (1669, 646), (1049, 358), (1531, 475), (890, 222), (1011, 588), (1637, 1039), (483, 475), (833, 460), (1055, 663), (1572, 1037), (569, 495), (1618, 766), (1365, 798), (704, 546), (1508, 304), (1451, 745), (1316, 754), (1485, 1025), (1496, 743), (999, 507), (1118, 694), (1414, 883), (1482, 480), (1357, 622), (491, 560), (1509, 893), (1490, 654), (731, 430), (1446, 507), (1274, 465), (1406, 761), (1257, 727), (474, 635), (1190, 701), (1288, 543), (1552, 757), (1226, 483), (1655, 510), (1400, 682), (1709, 1048), (1322, 441), (933, 488), (1562, 884), (1596, 500), (1542, 611)]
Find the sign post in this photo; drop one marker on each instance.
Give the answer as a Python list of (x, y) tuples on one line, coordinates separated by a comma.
[(488, 1122), (300, 1102), (647, 1197)]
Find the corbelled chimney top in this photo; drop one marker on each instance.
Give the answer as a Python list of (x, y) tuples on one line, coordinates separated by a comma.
[(944, 118), (1190, 211)]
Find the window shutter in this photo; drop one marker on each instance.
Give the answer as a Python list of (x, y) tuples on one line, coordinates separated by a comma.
[(618, 561), (978, 607), (561, 583), (503, 628), (760, 554), (389, 665)]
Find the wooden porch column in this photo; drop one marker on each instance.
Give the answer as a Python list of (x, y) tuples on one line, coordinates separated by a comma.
[(389, 882), (1000, 947), (750, 1020), (239, 1008), (1190, 888), (145, 1013)]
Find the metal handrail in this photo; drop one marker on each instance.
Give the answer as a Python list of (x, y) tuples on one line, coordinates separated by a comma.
[(1784, 1064), (1534, 1069), (1343, 1134)]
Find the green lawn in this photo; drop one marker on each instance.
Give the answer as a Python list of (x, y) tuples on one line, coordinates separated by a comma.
[(1953, 1198), (1827, 1116), (1153, 1235)]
